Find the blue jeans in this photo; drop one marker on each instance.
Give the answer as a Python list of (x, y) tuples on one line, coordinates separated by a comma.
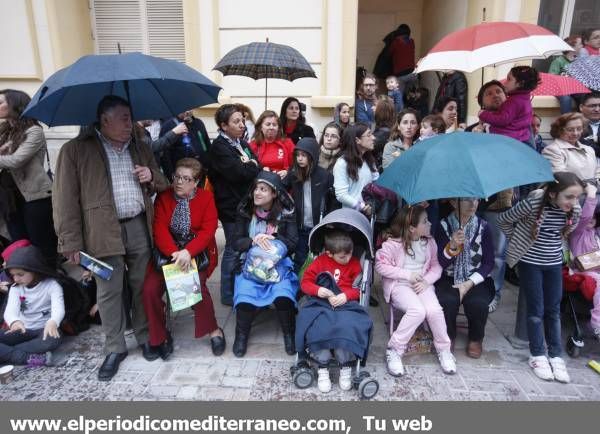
[(566, 104), (499, 240), (543, 290), (228, 264), (301, 248)]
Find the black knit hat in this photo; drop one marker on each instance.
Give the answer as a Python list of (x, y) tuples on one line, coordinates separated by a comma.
[(30, 258)]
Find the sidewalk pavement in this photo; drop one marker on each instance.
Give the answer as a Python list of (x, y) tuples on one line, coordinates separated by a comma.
[(193, 373)]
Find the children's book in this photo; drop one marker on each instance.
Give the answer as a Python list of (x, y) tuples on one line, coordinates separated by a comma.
[(183, 287), (96, 266)]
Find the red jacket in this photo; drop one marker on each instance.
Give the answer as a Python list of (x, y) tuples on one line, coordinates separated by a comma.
[(402, 52), (277, 155), (204, 224), (346, 275)]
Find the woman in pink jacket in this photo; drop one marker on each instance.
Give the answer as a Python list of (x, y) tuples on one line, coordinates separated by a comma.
[(409, 266)]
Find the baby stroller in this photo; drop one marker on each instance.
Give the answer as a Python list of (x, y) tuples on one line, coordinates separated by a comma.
[(351, 221), (577, 302)]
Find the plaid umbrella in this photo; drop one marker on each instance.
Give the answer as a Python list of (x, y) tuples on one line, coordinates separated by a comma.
[(585, 69), (265, 60)]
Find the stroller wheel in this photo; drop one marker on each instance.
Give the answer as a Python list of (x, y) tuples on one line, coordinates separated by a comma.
[(574, 347), (368, 388), (303, 378)]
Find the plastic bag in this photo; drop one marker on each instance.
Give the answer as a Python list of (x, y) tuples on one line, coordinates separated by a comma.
[(261, 265)]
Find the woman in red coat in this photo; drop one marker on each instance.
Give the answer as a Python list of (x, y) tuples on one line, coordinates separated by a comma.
[(275, 152), (185, 222)]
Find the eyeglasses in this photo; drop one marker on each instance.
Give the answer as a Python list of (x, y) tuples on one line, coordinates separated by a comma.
[(331, 136), (573, 129), (182, 179), (592, 106), (367, 134), (369, 84)]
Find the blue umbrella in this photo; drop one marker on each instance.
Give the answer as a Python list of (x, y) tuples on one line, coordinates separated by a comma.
[(464, 165), (155, 87)]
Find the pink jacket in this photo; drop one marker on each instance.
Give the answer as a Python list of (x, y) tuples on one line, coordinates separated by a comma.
[(583, 239), (513, 118), (389, 262)]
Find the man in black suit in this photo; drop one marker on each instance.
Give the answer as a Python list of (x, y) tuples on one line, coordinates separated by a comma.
[(590, 108)]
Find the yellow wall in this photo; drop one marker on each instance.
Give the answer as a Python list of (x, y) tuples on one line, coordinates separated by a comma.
[(70, 30)]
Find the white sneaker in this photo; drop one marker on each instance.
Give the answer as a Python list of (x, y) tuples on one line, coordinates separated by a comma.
[(394, 364), (541, 367), (448, 362), (324, 382), (346, 378), (560, 370), (493, 304)]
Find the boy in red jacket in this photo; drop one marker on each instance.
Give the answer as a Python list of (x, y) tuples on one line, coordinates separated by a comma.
[(333, 276)]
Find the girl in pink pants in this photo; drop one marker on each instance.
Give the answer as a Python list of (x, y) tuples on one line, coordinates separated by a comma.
[(584, 239), (408, 263)]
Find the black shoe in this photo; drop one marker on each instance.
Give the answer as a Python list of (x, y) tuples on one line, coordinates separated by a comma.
[(110, 366), (217, 344), (240, 344), (166, 348), (289, 344), (149, 352), (373, 302), (243, 323)]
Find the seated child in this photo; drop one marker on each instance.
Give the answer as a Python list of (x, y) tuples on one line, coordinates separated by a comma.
[(584, 239), (409, 266), (34, 311), (332, 319)]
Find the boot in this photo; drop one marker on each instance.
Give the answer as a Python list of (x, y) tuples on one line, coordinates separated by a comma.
[(287, 318), (243, 322)]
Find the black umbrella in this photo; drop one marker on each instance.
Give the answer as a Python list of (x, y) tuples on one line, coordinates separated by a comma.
[(265, 60)]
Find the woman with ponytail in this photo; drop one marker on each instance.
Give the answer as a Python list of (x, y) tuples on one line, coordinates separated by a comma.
[(536, 228)]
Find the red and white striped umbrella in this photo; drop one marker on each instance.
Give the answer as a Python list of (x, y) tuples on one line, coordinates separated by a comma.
[(491, 43), (557, 85)]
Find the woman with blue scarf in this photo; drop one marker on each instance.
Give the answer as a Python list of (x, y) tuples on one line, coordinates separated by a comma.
[(466, 253), (265, 234)]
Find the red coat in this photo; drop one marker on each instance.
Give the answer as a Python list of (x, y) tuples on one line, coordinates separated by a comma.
[(402, 52), (347, 274), (277, 155), (204, 224)]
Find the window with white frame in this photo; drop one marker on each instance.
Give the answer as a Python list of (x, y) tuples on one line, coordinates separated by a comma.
[(150, 26)]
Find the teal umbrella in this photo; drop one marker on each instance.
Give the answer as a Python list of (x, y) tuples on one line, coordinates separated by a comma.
[(464, 165)]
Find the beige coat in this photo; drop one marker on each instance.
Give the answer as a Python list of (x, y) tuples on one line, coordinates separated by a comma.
[(564, 157), (84, 211), (26, 165)]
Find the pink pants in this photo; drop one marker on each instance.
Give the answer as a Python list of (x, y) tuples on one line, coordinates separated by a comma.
[(417, 308), (595, 320)]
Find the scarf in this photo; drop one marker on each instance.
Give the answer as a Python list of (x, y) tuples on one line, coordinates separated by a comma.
[(289, 128), (259, 225), (181, 221), (466, 259)]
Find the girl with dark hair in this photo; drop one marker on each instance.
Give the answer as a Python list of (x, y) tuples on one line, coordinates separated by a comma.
[(330, 145), (513, 117), (355, 168), (408, 263), (403, 135), (447, 108), (341, 115), (233, 167), (293, 121), (27, 185), (266, 219), (536, 228), (275, 152)]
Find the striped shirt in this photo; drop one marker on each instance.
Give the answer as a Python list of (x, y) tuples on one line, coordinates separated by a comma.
[(127, 191), (547, 248)]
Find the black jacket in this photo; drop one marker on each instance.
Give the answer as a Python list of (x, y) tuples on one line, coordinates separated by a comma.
[(230, 177), (588, 138), (287, 231), (199, 145), (455, 86), (301, 131), (321, 187)]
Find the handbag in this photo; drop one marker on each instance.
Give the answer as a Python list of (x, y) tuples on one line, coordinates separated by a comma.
[(588, 261), (202, 259)]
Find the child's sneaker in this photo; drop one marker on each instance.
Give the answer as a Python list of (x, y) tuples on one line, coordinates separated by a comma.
[(35, 360), (447, 361), (394, 364), (323, 381), (346, 378), (494, 304), (559, 370), (541, 367)]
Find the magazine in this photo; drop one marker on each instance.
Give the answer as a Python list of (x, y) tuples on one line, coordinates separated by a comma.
[(96, 266), (184, 289)]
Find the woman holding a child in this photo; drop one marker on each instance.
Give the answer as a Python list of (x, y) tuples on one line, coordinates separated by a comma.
[(265, 234)]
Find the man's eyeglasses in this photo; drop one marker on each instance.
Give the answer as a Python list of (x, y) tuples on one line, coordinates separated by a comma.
[(592, 106), (369, 84), (182, 179)]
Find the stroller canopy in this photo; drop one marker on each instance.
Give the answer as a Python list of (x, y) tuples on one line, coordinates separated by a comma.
[(346, 219)]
